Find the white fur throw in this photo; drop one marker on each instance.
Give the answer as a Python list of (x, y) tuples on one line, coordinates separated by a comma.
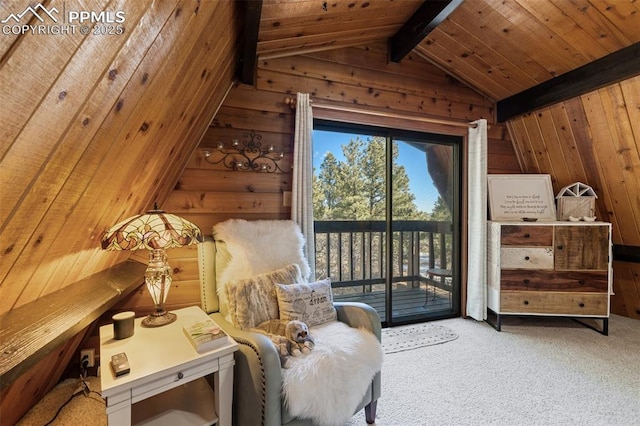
[(259, 246), (327, 384)]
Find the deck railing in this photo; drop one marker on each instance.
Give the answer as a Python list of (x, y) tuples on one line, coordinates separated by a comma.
[(353, 253)]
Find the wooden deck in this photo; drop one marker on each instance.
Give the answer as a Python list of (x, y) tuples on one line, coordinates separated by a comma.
[(431, 301)]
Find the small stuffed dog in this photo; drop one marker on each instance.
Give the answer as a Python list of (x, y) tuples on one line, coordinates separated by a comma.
[(299, 337), (291, 338)]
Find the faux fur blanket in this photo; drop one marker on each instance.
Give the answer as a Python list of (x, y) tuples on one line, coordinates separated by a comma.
[(327, 384), (256, 247), (260, 246)]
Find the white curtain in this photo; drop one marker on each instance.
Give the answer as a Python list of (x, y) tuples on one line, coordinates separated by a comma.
[(477, 222), (302, 200)]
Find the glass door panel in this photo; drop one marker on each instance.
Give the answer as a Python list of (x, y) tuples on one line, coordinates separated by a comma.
[(350, 196), (424, 204), (385, 214)]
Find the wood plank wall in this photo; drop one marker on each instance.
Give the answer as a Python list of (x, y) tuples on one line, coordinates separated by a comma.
[(93, 132), (96, 128), (594, 139), (361, 77), (127, 113)]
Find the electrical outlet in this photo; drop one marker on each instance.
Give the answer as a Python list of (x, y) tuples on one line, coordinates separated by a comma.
[(91, 354), (286, 198)]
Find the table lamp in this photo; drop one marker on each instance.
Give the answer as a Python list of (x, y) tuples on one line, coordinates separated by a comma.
[(156, 231)]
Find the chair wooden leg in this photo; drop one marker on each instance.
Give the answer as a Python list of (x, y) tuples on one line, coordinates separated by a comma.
[(370, 412)]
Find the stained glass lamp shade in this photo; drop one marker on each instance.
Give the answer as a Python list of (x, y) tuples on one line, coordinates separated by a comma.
[(156, 231)]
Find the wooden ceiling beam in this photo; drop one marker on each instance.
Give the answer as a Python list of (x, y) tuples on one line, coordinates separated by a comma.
[(250, 31), (629, 254), (610, 69), (428, 16)]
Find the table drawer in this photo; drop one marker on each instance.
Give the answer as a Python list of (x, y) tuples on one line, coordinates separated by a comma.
[(534, 302), (526, 258), (514, 235), (171, 378), (575, 281)]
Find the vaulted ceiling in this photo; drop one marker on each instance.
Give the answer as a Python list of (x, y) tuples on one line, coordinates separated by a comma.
[(95, 128), (494, 46)]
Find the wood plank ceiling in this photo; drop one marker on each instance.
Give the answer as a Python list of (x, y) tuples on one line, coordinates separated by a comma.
[(295, 28), (564, 76), (494, 46), (115, 123)]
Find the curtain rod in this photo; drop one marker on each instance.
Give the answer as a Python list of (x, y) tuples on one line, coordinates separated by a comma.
[(291, 102)]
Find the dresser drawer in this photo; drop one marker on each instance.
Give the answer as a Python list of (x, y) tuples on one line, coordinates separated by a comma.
[(575, 281), (515, 235), (581, 247), (534, 302), (526, 258)]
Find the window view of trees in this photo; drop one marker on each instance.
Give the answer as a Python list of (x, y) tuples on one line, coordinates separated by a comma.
[(355, 189), (350, 191), (368, 251)]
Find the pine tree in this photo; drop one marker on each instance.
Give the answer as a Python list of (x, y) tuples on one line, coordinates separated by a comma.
[(324, 184), (441, 211), (355, 189)]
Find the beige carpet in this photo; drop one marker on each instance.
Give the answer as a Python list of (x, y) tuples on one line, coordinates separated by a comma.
[(80, 411), (537, 372)]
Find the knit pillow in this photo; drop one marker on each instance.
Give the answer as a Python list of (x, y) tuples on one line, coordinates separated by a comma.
[(311, 303), (253, 300)]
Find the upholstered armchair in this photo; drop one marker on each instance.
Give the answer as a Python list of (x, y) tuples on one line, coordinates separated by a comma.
[(258, 376)]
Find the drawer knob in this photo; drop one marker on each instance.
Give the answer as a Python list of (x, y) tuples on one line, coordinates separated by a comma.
[(581, 304), (527, 235), (527, 258), (526, 281), (526, 302), (582, 282), (560, 247), (180, 376)]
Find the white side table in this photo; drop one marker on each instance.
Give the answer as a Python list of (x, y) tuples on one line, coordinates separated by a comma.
[(167, 383)]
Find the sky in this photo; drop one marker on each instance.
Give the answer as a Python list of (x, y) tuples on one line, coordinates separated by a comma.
[(413, 159)]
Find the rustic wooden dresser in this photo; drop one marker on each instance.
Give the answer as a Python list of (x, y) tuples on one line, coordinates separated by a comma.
[(549, 268)]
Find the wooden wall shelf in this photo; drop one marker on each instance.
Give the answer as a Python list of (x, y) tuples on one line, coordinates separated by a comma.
[(30, 332)]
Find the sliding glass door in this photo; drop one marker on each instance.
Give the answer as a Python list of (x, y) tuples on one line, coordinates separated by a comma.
[(386, 219)]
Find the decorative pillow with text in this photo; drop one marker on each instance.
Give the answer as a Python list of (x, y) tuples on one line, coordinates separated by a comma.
[(311, 303)]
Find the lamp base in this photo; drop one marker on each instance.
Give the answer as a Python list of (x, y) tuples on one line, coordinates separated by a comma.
[(155, 320)]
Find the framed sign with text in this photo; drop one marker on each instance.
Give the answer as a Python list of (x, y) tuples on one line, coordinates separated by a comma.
[(521, 197)]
